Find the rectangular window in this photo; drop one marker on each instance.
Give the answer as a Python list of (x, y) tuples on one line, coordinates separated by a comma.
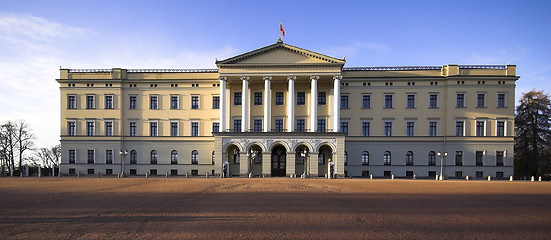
[(458, 174), (433, 101), (388, 101), (133, 129), (499, 174), (500, 129), (174, 129), (411, 101), (479, 158), (257, 125), (216, 102), (458, 158), (90, 101), (174, 102), (71, 128), (321, 125), (279, 98), (108, 128), (109, 156), (344, 101), (460, 103), (133, 102), (237, 98), (459, 128), (108, 101), (90, 128), (480, 100), (433, 126), (194, 129), (279, 125), (366, 101), (72, 156), (410, 129), (300, 125), (91, 156), (388, 129), (301, 98), (344, 127), (479, 174), (366, 129), (258, 98), (237, 125), (153, 129), (322, 99), (71, 102), (194, 102), (153, 102), (215, 127), (501, 100), (480, 129), (499, 158)]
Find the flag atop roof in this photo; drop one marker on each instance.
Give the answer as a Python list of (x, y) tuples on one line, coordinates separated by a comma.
[(281, 29)]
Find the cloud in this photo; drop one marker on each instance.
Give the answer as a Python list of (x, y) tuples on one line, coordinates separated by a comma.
[(36, 28)]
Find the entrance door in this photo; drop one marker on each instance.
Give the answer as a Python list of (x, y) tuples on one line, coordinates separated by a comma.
[(279, 155)]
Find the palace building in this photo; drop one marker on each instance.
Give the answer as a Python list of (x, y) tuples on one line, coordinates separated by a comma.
[(285, 111)]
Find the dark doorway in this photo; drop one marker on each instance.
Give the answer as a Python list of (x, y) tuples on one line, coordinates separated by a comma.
[(279, 155)]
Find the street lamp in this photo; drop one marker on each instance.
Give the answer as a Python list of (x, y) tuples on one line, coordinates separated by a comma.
[(442, 156), (122, 160)]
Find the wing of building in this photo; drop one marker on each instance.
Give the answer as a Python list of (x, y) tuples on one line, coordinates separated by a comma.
[(285, 111)]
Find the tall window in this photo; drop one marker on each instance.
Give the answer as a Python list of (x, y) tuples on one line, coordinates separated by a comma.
[(366, 129), (279, 98), (91, 156), (480, 100), (388, 129), (213, 157), (500, 128), (344, 101), (194, 129), (72, 156), (433, 127), (460, 103), (174, 157), (133, 157), (216, 102), (108, 101), (90, 102), (257, 125), (345, 158), (108, 128), (321, 125), (237, 98), (433, 101), (365, 158), (321, 158), (90, 128), (174, 102), (258, 98), (459, 158), (480, 128), (71, 102), (153, 129), (388, 101), (153, 102), (344, 127), (366, 101), (133, 102), (501, 100), (133, 129), (410, 129), (432, 158), (301, 98), (108, 156), (215, 127), (499, 158), (279, 125), (459, 128), (71, 128), (194, 157), (409, 158), (300, 125), (237, 125), (173, 129), (479, 158), (411, 101), (194, 102), (322, 100), (386, 158), (153, 159)]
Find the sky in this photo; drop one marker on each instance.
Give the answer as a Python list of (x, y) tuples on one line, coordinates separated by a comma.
[(37, 37)]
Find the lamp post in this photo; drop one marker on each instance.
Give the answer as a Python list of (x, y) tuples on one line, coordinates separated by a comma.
[(442, 156), (122, 160)]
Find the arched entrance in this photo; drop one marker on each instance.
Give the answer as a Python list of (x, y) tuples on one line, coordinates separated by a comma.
[(255, 160), (233, 157), (301, 160), (325, 155), (279, 155)]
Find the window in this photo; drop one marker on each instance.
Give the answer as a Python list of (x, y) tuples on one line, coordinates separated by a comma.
[(215, 127), (458, 158), (386, 158), (237, 125), (90, 102), (410, 101), (388, 101), (90, 171), (213, 157), (174, 129), (153, 129), (108, 101), (321, 125), (71, 102), (479, 158), (108, 156), (300, 125), (458, 174), (133, 171), (366, 127), (387, 173), (108, 128), (174, 102), (90, 128), (194, 129), (133, 157), (409, 174), (72, 156), (194, 102), (388, 129), (479, 174), (480, 100), (279, 98), (322, 99), (433, 101), (71, 128), (133, 129), (410, 129), (237, 98), (480, 128), (194, 157), (153, 159), (91, 156), (433, 127), (258, 98), (365, 158), (321, 158), (366, 101), (432, 158), (216, 102), (501, 100), (459, 128), (257, 125), (500, 129), (409, 158), (301, 98), (499, 158), (236, 157), (279, 125), (174, 157), (133, 102), (152, 172), (432, 174), (173, 172), (344, 101), (499, 174), (460, 103), (345, 158), (344, 127)]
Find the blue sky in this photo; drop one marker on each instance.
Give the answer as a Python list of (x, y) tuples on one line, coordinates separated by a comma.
[(37, 37)]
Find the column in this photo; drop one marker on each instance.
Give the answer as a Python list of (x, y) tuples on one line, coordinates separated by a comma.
[(314, 103), (337, 103), (291, 104), (267, 104), (223, 114), (245, 105)]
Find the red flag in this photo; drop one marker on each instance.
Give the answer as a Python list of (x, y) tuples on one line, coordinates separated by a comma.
[(281, 29)]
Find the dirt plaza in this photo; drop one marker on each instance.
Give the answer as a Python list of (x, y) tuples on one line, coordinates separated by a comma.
[(272, 208)]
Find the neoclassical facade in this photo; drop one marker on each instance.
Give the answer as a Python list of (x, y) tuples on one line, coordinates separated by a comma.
[(285, 111)]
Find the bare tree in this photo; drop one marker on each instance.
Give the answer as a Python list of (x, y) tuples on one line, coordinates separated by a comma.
[(8, 146), (24, 138), (49, 157)]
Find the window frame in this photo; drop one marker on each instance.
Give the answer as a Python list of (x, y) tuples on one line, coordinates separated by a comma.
[(153, 128), (366, 101), (194, 129), (301, 99), (237, 98), (322, 98), (344, 101), (90, 101), (409, 158), (109, 128), (216, 102), (387, 158), (365, 158), (71, 101), (280, 98), (174, 102), (133, 128), (132, 101), (153, 102), (194, 157), (174, 129), (257, 98), (90, 128), (195, 102), (388, 101), (71, 128), (460, 101), (153, 157), (366, 128), (109, 101)]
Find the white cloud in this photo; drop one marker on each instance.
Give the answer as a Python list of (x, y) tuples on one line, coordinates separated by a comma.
[(27, 26)]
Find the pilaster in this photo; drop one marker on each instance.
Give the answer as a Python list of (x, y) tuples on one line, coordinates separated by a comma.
[(336, 103), (313, 103), (245, 118), (291, 104), (267, 104)]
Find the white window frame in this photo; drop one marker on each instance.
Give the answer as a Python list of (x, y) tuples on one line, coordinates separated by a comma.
[(414, 100), (93, 101), (437, 100), (391, 128), (69, 128), (436, 130), (504, 100), (414, 128), (464, 99), (198, 128), (177, 128), (177, 101), (455, 127), (485, 99), (212, 126), (151, 96), (369, 130), (93, 128), (198, 101), (130, 101), (156, 128), (484, 130), (69, 102), (112, 156), (112, 128), (112, 101), (130, 128)]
